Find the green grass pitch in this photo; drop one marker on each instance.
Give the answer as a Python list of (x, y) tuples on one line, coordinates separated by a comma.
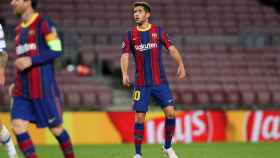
[(208, 150)]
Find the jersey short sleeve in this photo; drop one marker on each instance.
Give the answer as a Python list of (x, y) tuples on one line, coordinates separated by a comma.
[(51, 36), (165, 39), (126, 44)]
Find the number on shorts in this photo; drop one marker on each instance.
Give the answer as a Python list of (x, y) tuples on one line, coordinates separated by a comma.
[(136, 95)]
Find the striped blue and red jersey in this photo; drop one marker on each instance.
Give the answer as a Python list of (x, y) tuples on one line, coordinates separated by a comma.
[(37, 39), (146, 47)]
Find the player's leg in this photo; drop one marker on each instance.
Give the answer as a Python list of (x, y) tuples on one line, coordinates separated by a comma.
[(5, 136), (169, 127), (23, 138), (52, 115), (138, 132), (64, 140), (141, 97), (21, 114), (6, 140), (163, 97)]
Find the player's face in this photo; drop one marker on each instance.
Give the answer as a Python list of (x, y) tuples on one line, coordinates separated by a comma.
[(20, 6), (140, 15)]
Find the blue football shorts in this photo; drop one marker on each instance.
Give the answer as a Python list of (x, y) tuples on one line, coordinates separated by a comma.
[(142, 95), (45, 112)]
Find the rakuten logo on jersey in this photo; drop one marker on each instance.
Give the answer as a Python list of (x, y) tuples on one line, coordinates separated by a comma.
[(263, 126), (22, 49), (145, 47), (193, 126)]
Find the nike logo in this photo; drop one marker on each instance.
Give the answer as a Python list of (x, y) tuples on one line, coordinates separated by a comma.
[(51, 120)]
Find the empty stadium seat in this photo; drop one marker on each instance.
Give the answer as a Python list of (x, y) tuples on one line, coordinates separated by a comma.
[(217, 73)]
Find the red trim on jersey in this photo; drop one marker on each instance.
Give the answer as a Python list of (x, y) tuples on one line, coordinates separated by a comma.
[(155, 56), (17, 91), (45, 29), (57, 101), (34, 73), (165, 39), (126, 45), (140, 79), (34, 76)]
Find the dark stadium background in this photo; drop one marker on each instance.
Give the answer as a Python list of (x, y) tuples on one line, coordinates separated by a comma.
[(230, 50)]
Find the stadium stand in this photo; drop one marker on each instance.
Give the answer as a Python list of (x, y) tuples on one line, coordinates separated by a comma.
[(226, 69)]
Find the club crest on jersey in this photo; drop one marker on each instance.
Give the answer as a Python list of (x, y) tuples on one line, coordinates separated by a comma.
[(145, 47), (154, 35), (31, 33), (123, 44)]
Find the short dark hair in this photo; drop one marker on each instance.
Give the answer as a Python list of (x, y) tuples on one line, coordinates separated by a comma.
[(145, 5), (33, 3)]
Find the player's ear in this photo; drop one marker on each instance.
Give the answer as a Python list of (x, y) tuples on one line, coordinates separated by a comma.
[(148, 14)]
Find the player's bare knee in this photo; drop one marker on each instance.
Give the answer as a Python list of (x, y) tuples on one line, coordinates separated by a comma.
[(57, 130), (19, 126), (139, 120), (140, 117), (169, 112), (170, 115)]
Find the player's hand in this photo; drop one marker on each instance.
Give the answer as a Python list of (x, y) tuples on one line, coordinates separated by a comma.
[(126, 80), (181, 72), (23, 63), (2, 76)]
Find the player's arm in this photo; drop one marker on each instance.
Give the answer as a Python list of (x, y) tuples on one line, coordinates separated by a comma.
[(3, 57), (124, 62), (3, 63), (124, 68), (52, 41), (173, 51)]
